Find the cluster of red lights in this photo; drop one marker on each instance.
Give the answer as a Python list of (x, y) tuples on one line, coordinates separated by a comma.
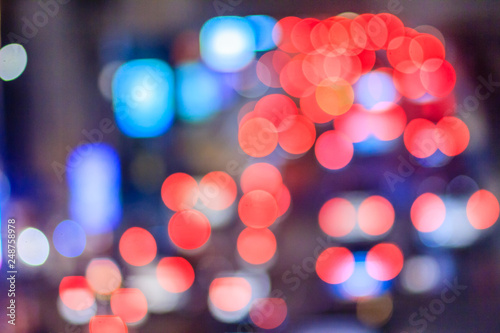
[(314, 53), (319, 61), (428, 211), (384, 262), (450, 135), (338, 216), (264, 199)]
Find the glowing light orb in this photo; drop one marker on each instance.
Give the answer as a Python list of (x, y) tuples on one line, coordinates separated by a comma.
[(438, 77), (175, 274), (227, 43), (137, 246), (428, 212), (94, 184), (179, 191), (261, 176), (419, 138), (217, 190), (13, 61), (482, 209), (258, 137), (103, 276), (420, 274), (334, 150), (298, 135), (337, 217), (335, 97), (375, 215), (129, 304), (143, 97), (33, 247), (189, 229), (259, 287), (69, 239), (335, 265), (256, 246), (454, 136), (384, 261), (230, 293), (258, 209), (268, 313), (75, 293)]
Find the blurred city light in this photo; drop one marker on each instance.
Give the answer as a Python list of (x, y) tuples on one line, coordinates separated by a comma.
[(199, 92), (69, 239), (143, 97), (227, 43), (13, 59), (94, 186), (284, 174), (33, 247)]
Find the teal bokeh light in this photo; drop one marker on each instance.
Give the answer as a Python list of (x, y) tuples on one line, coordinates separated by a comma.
[(143, 98)]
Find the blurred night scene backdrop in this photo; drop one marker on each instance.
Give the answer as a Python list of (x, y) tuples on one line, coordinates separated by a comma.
[(249, 166)]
